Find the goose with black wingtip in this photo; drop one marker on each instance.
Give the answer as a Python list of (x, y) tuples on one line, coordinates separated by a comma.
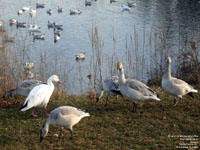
[(39, 96)]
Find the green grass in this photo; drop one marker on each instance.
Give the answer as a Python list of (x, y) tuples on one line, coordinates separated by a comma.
[(113, 127)]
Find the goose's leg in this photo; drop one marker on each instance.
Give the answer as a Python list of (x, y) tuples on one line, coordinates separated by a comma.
[(72, 137), (175, 102), (134, 107), (33, 113), (45, 110), (107, 95), (61, 132)]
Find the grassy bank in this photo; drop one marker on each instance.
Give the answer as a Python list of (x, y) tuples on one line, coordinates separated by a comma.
[(113, 127)]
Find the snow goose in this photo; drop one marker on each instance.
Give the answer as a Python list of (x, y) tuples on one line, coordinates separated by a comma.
[(175, 86), (64, 116), (110, 86), (40, 95), (25, 8), (23, 88), (134, 89)]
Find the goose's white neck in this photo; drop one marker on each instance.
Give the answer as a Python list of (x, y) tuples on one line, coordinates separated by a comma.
[(49, 82), (122, 78), (167, 73)]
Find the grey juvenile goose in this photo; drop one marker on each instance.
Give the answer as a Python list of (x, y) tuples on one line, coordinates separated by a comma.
[(23, 88), (64, 116), (110, 86), (134, 89), (175, 86)]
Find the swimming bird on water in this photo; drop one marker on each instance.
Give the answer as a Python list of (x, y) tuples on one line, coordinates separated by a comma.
[(174, 86), (134, 89), (110, 86), (39, 96), (64, 116)]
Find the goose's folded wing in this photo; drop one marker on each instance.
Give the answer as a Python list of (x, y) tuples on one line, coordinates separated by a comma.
[(141, 87), (68, 110), (180, 83), (114, 83), (29, 83), (36, 94)]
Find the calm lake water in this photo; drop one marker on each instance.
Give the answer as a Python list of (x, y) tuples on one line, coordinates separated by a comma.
[(148, 16)]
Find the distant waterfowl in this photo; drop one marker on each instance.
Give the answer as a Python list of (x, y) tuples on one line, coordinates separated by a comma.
[(131, 4), (112, 1), (25, 8), (29, 74), (88, 3), (75, 11), (60, 9), (49, 11), (134, 89), (40, 5), (80, 56), (21, 24), (64, 116), (39, 96), (57, 27), (32, 12), (175, 86), (20, 12), (57, 32), (28, 65), (56, 38), (33, 28), (126, 8), (110, 86), (23, 88), (50, 25), (13, 21), (39, 37)]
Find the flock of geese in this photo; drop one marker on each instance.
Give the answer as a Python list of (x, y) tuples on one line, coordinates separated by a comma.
[(38, 95), (35, 31)]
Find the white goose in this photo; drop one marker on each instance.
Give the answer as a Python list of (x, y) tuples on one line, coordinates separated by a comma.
[(40, 95), (134, 89), (110, 86), (175, 86), (64, 116)]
